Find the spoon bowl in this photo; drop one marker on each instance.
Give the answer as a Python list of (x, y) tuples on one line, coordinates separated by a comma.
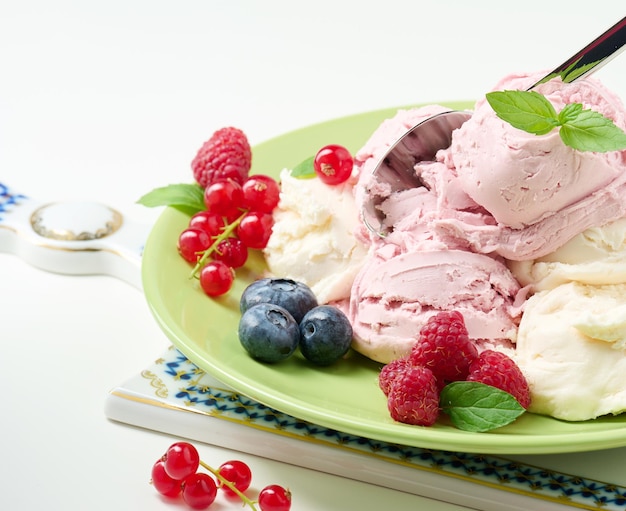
[(396, 169)]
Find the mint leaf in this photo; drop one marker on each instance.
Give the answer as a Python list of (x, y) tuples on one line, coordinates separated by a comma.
[(583, 130), (188, 198), (570, 113), (525, 110), (304, 170), (591, 131), (474, 406)]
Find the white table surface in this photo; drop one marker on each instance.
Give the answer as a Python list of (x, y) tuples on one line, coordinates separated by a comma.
[(106, 100)]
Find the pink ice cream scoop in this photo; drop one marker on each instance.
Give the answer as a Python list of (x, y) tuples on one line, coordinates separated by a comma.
[(537, 192), (521, 178), (392, 299)]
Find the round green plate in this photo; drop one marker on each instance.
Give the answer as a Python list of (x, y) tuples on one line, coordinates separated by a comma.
[(345, 396)]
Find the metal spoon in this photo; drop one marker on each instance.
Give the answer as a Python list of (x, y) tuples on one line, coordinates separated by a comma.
[(396, 169)]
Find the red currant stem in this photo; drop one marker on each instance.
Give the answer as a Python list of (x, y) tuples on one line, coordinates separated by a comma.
[(228, 230), (225, 482)]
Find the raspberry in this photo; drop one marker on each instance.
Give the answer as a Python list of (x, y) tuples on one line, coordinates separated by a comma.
[(226, 155), (390, 371), (499, 370), (444, 347), (414, 397)]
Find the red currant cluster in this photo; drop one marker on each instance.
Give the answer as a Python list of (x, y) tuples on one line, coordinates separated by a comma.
[(176, 473), (238, 217)]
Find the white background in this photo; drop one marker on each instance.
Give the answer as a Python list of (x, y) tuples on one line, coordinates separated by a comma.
[(106, 100)]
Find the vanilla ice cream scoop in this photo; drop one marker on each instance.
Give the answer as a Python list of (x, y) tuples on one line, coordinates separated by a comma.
[(313, 239), (571, 346), (596, 256)]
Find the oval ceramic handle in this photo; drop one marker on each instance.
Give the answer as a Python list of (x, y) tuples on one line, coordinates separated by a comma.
[(71, 237)]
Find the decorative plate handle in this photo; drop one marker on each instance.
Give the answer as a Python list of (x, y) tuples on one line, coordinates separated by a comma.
[(71, 237)]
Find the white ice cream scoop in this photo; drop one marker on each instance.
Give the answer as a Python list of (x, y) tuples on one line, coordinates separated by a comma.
[(396, 169)]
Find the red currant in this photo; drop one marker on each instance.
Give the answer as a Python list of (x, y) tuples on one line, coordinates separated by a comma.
[(180, 460), (162, 482), (261, 193), (212, 223), (199, 490), (216, 278), (333, 164), (232, 252), (236, 472), (224, 198), (274, 498), (255, 229), (191, 243)]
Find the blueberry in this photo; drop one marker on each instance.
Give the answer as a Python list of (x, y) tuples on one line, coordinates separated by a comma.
[(325, 335), (268, 332), (294, 296)]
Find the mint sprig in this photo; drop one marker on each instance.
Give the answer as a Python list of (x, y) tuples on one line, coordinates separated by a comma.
[(476, 407), (579, 128), (186, 197)]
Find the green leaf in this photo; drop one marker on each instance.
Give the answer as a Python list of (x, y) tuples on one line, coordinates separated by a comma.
[(570, 112), (525, 110), (474, 406), (591, 131), (188, 198), (304, 170)]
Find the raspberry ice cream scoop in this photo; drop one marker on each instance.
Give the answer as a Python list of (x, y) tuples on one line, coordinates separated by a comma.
[(393, 298), (536, 192)]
